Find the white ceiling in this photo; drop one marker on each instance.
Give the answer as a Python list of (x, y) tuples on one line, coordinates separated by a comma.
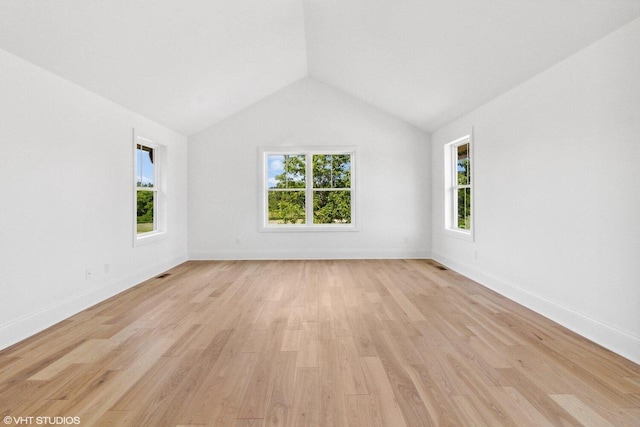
[(430, 61), (185, 64), (188, 64)]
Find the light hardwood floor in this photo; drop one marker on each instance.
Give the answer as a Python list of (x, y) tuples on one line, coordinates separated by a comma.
[(316, 343)]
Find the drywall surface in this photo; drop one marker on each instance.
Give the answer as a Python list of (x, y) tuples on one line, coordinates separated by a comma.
[(393, 179), (556, 203), (66, 199)]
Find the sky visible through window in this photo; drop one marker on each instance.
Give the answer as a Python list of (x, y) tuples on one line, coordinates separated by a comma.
[(275, 167), (144, 167)]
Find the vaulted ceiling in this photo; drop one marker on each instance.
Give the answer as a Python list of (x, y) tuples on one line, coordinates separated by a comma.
[(188, 64)]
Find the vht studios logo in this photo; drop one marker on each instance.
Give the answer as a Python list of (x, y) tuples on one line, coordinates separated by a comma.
[(43, 421)]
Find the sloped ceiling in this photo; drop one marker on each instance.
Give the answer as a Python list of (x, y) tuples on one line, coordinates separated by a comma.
[(430, 61), (189, 64), (183, 63)]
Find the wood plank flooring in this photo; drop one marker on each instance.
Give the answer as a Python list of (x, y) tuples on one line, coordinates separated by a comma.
[(316, 343)]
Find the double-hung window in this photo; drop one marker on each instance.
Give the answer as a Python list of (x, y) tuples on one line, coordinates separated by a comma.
[(307, 189), (149, 198), (459, 188)]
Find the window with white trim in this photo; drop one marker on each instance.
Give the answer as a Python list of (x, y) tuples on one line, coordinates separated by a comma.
[(149, 198), (307, 189), (459, 187)]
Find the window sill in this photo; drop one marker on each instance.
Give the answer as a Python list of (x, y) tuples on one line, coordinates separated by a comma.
[(460, 234), (307, 228), (147, 238)]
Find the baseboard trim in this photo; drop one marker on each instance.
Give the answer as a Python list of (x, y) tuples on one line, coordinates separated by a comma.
[(610, 337), (32, 323), (620, 342), (311, 254)]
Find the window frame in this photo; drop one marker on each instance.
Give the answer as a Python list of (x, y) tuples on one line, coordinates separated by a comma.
[(308, 152), (159, 198), (452, 187)]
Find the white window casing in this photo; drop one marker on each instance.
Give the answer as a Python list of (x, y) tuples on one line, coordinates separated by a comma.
[(310, 190), (149, 166), (459, 182)]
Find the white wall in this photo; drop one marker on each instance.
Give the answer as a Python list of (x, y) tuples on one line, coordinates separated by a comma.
[(66, 199), (557, 167), (393, 168)]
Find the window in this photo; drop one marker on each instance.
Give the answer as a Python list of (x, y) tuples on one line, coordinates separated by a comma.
[(459, 188), (304, 189), (148, 199)]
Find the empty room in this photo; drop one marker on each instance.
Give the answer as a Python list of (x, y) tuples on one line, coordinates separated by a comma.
[(320, 213)]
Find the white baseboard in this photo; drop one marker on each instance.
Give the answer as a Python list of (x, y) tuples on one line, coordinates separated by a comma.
[(621, 342), (311, 254), (32, 323), (616, 340)]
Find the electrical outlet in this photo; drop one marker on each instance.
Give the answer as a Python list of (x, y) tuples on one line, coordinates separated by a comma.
[(107, 268), (406, 239), (88, 274)]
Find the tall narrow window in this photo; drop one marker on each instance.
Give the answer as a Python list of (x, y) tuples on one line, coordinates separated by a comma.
[(146, 189), (149, 206), (462, 187), (307, 189), (459, 187)]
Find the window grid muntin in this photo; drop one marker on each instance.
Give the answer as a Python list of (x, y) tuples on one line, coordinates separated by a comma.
[(309, 190), (140, 149), (457, 188)]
